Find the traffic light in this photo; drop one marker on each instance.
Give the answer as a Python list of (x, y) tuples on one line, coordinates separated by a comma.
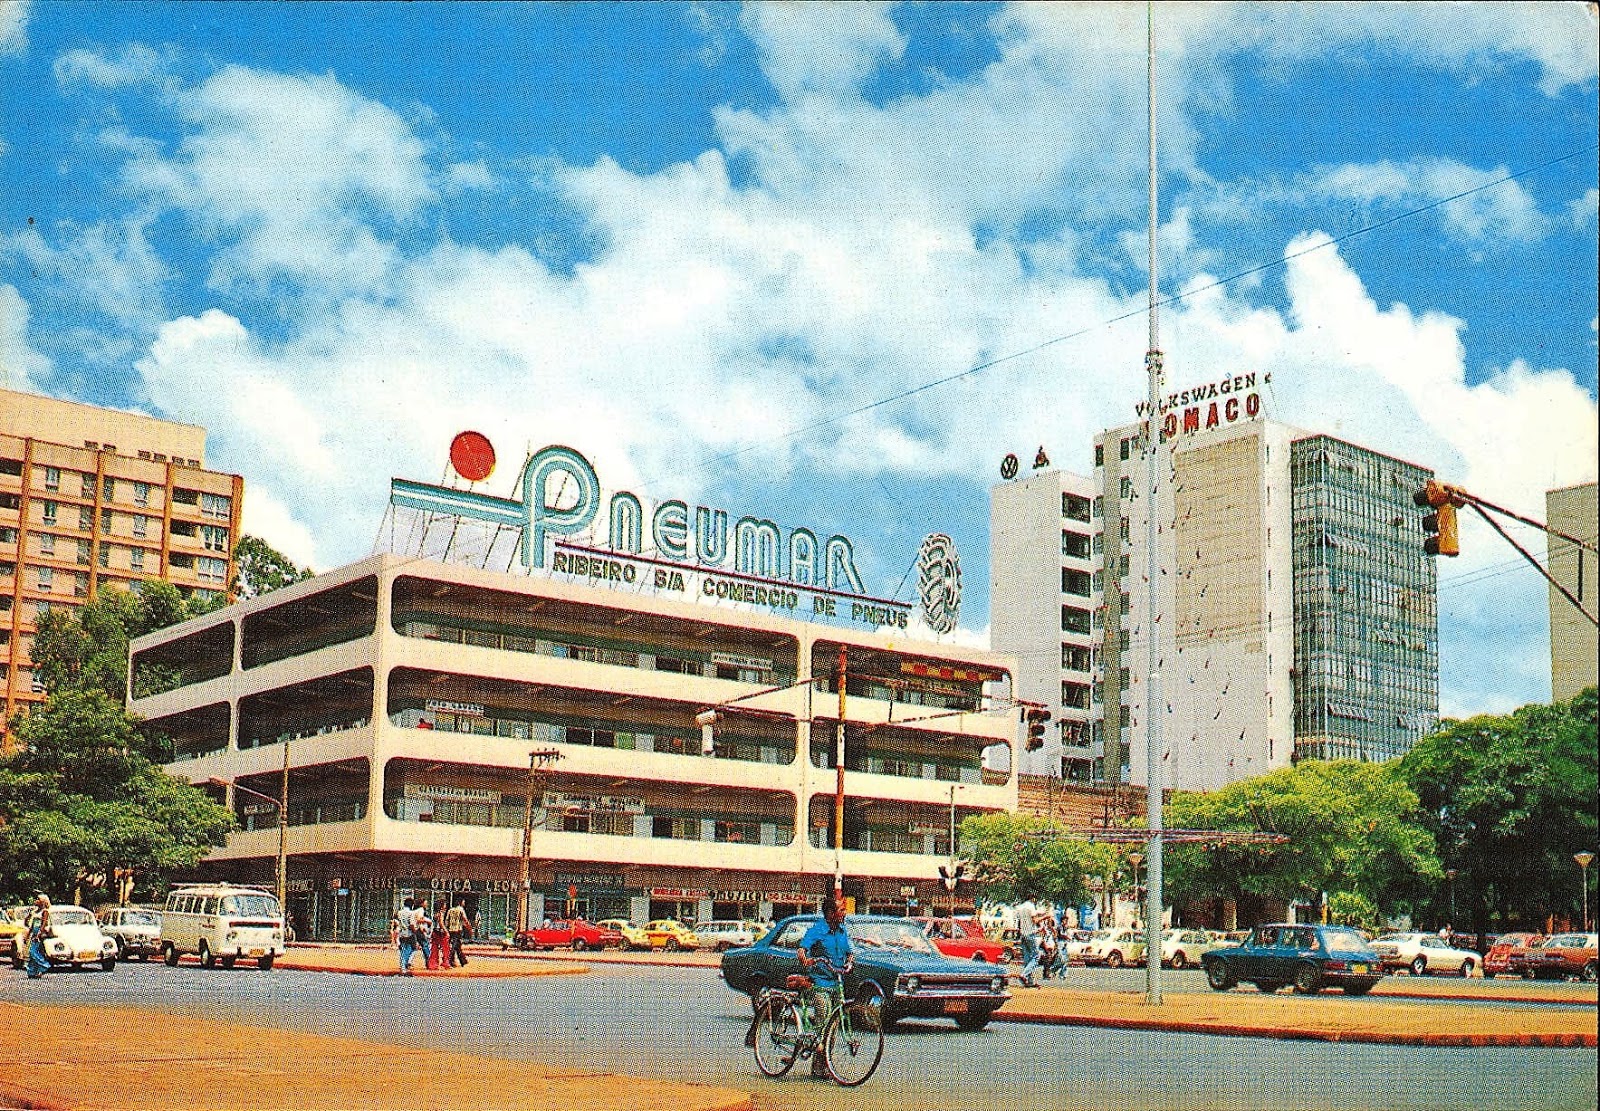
[(952, 875), (1443, 538), (1035, 717)]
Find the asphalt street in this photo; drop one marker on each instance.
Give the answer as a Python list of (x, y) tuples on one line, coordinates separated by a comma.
[(684, 1024)]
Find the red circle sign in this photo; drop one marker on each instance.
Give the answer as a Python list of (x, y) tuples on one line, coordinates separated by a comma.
[(472, 455)]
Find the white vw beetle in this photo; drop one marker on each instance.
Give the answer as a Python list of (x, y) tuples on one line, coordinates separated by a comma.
[(74, 939)]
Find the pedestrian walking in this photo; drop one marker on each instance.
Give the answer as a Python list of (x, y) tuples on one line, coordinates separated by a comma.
[(457, 926), (407, 933), (38, 930), (439, 939), (1027, 922)]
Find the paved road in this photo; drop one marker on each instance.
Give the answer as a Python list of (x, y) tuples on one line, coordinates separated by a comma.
[(682, 1023)]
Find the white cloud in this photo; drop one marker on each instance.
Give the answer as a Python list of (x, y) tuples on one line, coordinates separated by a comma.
[(14, 26), (1506, 211), (111, 267), (132, 65), (295, 171), (821, 48), (267, 517), (21, 367)]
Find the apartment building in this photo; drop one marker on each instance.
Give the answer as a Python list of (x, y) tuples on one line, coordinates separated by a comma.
[(1573, 665), (93, 497)]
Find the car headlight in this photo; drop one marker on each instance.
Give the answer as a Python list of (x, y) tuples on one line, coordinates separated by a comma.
[(911, 984), (997, 985), (233, 935), (107, 945), (58, 946)]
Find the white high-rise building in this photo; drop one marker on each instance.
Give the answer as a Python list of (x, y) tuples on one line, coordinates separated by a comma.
[(1041, 605)]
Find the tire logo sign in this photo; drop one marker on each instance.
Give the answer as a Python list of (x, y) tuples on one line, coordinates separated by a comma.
[(939, 582)]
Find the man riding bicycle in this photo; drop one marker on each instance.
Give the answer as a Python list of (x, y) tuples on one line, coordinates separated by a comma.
[(826, 954)]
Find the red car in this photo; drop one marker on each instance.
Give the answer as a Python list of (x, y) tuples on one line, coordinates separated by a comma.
[(963, 938), (575, 934), (1497, 960), (1560, 956)]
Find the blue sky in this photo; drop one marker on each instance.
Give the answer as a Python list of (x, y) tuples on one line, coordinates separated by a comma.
[(695, 240)]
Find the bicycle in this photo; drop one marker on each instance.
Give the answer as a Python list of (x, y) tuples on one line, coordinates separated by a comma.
[(850, 1038)]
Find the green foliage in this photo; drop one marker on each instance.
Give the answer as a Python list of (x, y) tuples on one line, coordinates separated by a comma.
[(1015, 855), (1508, 800), (81, 802), (1352, 829), (1346, 908), (88, 648), (261, 568)]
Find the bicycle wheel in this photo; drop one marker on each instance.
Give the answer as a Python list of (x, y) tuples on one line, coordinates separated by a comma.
[(777, 1036), (853, 1044)]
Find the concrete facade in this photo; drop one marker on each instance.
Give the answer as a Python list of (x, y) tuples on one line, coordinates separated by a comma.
[(1573, 664)]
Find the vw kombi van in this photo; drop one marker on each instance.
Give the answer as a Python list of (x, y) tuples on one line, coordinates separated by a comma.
[(222, 922)]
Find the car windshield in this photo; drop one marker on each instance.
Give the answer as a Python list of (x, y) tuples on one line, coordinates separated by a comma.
[(71, 916), (139, 918), (890, 935), (250, 906), (1343, 941), (1394, 937)]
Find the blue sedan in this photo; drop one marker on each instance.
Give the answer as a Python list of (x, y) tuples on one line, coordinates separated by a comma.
[(1311, 957), (895, 964)]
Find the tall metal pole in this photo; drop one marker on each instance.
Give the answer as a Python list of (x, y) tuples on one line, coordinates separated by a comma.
[(283, 837), (536, 760), (838, 788), (1153, 444)]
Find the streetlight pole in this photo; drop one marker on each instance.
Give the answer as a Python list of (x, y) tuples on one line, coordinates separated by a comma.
[(537, 759), (1135, 859), (1584, 859), (283, 823), (838, 788), (1450, 886)]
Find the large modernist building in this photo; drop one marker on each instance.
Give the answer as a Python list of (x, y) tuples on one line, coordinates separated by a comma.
[(93, 498), (1297, 611), (1573, 665), (406, 698)]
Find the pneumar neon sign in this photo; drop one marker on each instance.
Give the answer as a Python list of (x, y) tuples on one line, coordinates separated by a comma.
[(700, 552)]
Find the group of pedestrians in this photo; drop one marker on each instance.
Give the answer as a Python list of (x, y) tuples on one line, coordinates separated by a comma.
[(437, 937), (1039, 931)]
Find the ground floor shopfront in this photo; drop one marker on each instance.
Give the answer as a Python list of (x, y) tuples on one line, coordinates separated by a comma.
[(352, 897)]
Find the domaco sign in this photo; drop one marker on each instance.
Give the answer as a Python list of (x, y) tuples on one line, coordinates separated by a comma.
[(1225, 401), (696, 552)]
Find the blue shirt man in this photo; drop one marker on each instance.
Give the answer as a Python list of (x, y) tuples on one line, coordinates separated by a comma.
[(825, 953)]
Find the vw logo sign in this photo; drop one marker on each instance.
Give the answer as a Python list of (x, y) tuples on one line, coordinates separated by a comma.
[(939, 582)]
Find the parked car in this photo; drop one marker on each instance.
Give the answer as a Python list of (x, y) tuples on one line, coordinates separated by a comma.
[(633, 937), (722, 934), (13, 933), (1183, 948), (1073, 943), (962, 938), (671, 935), (74, 940), (1498, 959), (136, 931), (221, 922), (1424, 953), (1559, 956), (895, 965), (1114, 948), (1310, 957), (569, 933)]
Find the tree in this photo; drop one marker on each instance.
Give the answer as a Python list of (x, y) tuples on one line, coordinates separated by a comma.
[(1015, 855), (1353, 829), (83, 805), (261, 568), (1508, 800), (88, 648)]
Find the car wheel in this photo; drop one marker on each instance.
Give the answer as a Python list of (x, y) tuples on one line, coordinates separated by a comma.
[(108, 964), (1589, 973), (673, 946), (169, 954), (1307, 980), (579, 945), (980, 958), (1269, 987), (1179, 960), (972, 1022), (265, 963), (1357, 989), (207, 959), (1218, 976), (228, 962), (1529, 974), (1115, 959), (1419, 965), (1466, 969)]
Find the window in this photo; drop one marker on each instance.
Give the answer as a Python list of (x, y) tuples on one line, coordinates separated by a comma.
[(105, 555), (8, 536), (213, 570), (52, 478), (1123, 447), (1099, 507), (136, 558), (141, 493), (50, 510), (88, 485), (105, 520), (141, 525), (47, 578), (83, 551), (1099, 455), (216, 505), (47, 544), (214, 538), (86, 518), (1124, 529)]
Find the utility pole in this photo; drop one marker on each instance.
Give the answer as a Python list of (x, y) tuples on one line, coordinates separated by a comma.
[(537, 759), (838, 787)]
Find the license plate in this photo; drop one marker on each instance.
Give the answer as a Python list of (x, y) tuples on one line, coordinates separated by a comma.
[(955, 1006), (1359, 969), (258, 952), (88, 955)]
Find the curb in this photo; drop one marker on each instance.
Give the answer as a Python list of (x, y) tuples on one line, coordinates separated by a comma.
[(436, 973), (1283, 1033)]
